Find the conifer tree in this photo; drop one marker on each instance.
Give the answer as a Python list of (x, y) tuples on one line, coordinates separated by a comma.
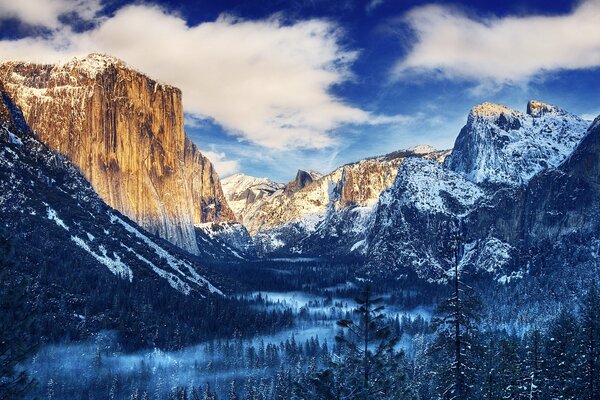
[(456, 323), (562, 357), (17, 334), (590, 327), (367, 365)]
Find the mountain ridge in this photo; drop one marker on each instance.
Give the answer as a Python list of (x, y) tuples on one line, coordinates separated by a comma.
[(124, 130)]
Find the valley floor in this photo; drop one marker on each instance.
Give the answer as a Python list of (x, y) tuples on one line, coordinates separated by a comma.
[(316, 293)]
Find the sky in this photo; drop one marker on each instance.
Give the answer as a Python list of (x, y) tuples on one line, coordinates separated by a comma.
[(273, 86)]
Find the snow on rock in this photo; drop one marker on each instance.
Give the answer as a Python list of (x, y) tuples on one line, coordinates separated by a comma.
[(116, 266), (422, 149), (427, 186), (175, 281), (491, 255), (53, 216), (181, 266), (14, 139), (245, 193), (225, 239), (500, 145)]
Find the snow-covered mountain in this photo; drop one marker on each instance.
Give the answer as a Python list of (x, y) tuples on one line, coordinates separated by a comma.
[(90, 268), (412, 217), (316, 214), (47, 205), (522, 186), (499, 145), (246, 193)]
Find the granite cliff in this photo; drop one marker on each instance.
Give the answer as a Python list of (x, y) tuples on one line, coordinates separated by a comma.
[(124, 131)]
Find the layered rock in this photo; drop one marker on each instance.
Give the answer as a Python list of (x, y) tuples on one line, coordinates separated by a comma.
[(124, 131), (50, 210)]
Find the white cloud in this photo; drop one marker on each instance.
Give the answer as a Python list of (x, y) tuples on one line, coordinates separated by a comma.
[(47, 12), (372, 5), (504, 50), (223, 166), (263, 81)]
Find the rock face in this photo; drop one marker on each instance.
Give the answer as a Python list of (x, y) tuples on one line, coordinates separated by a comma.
[(499, 145), (314, 214), (524, 188), (413, 217), (245, 193), (124, 131), (47, 205)]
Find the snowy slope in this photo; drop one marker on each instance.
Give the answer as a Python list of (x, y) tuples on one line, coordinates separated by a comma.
[(316, 214), (411, 218), (46, 202), (499, 145)]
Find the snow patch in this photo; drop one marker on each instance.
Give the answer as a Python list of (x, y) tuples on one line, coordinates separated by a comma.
[(426, 185), (422, 149), (180, 266), (116, 266), (53, 216), (176, 282), (14, 139)]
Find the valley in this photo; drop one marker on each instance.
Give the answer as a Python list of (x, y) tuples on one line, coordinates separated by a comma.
[(104, 368), (131, 270)]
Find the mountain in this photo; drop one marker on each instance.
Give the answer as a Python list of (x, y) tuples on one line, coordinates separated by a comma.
[(521, 186), (225, 241), (124, 131), (91, 267), (413, 217), (316, 214), (245, 193), (499, 145)]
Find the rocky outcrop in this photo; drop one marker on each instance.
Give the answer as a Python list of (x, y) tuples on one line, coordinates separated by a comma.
[(523, 187), (124, 131), (302, 180), (314, 214), (499, 145)]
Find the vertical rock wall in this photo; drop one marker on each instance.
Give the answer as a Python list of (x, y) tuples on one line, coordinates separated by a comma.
[(125, 132)]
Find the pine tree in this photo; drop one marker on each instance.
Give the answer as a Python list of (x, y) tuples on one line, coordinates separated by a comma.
[(533, 362), (510, 378), (590, 326), (367, 366), (17, 334), (208, 394), (562, 350), (232, 394), (456, 323)]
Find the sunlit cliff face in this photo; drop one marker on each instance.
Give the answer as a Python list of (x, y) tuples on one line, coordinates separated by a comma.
[(125, 132)]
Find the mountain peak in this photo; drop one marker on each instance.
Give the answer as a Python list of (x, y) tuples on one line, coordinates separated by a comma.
[(501, 145), (536, 108), (94, 63), (422, 149), (488, 109), (303, 179)]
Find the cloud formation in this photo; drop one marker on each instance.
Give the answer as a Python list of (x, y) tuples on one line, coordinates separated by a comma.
[(223, 166), (263, 81), (46, 13), (506, 50)]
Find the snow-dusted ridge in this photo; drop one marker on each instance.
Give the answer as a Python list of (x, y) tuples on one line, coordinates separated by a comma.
[(42, 189), (500, 145)]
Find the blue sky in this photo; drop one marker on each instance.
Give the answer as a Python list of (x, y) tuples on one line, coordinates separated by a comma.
[(273, 86)]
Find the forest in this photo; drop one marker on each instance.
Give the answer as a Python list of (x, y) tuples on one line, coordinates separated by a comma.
[(340, 339)]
